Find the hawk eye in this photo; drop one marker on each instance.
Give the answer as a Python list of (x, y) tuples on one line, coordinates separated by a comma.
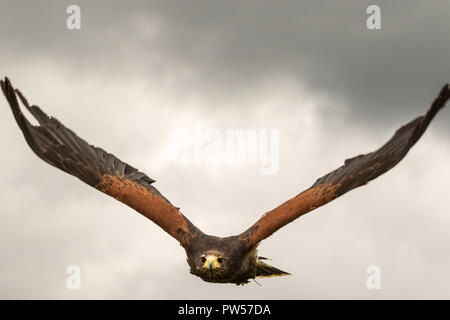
[(203, 259), (220, 260)]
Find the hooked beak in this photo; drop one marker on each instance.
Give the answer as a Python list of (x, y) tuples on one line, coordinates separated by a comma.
[(211, 263)]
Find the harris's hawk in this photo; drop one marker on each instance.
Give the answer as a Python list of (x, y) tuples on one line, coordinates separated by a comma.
[(214, 259)]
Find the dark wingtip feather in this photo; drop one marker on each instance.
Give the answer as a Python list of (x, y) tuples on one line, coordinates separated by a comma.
[(22, 98), (438, 103), (11, 95), (444, 94), (440, 100), (9, 92), (6, 84), (7, 87), (4, 81), (25, 126)]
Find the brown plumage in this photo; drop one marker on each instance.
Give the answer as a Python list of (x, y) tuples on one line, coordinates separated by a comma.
[(214, 259)]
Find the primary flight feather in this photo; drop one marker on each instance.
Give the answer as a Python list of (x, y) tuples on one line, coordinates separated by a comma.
[(214, 259)]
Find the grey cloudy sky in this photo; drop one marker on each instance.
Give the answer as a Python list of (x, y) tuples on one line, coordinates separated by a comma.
[(138, 70)]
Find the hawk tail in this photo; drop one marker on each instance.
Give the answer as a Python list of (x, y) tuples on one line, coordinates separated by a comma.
[(264, 270)]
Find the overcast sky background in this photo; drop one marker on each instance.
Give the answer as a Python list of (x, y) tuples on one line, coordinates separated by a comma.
[(138, 70)]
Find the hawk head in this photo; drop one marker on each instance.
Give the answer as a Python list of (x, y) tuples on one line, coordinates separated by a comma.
[(216, 259)]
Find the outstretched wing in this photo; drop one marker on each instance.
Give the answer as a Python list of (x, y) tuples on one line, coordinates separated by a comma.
[(355, 172), (62, 148)]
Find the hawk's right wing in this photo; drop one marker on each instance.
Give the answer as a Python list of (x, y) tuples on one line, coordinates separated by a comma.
[(62, 148)]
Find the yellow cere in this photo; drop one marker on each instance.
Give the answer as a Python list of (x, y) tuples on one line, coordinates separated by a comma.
[(211, 260)]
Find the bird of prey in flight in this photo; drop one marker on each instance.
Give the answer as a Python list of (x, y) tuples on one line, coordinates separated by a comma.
[(231, 259)]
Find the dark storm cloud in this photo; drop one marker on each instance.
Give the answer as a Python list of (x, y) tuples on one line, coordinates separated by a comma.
[(232, 46), (324, 45)]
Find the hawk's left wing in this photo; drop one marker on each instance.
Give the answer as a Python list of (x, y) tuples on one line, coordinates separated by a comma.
[(355, 172)]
